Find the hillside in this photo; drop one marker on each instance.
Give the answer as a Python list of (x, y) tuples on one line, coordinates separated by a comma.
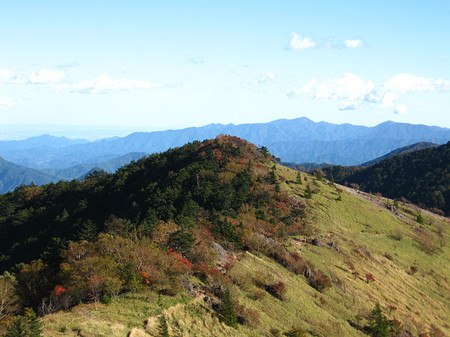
[(297, 140), (12, 175), (405, 149), (214, 239), (421, 176)]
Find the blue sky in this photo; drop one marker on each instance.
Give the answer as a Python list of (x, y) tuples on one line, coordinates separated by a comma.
[(173, 64)]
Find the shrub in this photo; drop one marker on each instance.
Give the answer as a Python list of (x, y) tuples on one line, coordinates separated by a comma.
[(413, 270), (295, 332), (274, 331), (420, 219), (258, 295), (320, 281), (398, 236), (277, 290), (426, 243), (388, 256), (370, 278)]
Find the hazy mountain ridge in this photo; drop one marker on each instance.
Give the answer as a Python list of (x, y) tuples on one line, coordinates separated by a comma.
[(405, 149), (297, 140), (13, 175), (109, 166)]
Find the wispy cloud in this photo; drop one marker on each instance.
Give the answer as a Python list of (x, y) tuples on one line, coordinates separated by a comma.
[(351, 91), (262, 79), (67, 65), (401, 110), (10, 76), (6, 101), (195, 60), (47, 76), (104, 84), (298, 42), (44, 76), (352, 44)]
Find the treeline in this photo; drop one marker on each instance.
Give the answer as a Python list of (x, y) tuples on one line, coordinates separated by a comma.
[(421, 177)]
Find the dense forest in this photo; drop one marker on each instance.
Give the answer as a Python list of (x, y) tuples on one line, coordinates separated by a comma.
[(421, 177)]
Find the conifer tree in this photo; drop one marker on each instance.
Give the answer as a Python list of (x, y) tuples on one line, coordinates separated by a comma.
[(308, 192), (379, 325), (27, 325), (299, 178), (34, 326), (17, 328), (226, 310)]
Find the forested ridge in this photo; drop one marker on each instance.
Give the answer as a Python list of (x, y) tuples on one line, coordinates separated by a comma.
[(174, 186), (421, 177)]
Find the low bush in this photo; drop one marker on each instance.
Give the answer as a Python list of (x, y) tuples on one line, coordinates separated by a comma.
[(277, 290)]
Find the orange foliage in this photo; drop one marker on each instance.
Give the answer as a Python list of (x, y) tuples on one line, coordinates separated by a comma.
[(58, 290), (145, 277)]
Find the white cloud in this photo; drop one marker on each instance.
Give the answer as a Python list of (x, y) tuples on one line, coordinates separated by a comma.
[(401, 110), (46, 76), (352, 44), (404, 83), (7, 102), (104, 84), (263, 79), (8, 76), (351, 91), (298, 42), (5, 75)]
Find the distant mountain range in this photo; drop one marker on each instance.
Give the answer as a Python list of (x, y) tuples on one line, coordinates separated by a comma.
[(297, 140), (401, 150), (81, 169), (13, 175)]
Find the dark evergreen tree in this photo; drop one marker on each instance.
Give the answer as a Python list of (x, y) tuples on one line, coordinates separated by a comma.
[(27, 325), (299, 178), (379, 325), (17, 328), (308, 192), (226, 310), (34, 326)]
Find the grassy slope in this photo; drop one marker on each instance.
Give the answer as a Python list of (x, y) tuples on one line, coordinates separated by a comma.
[(364, 234)]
